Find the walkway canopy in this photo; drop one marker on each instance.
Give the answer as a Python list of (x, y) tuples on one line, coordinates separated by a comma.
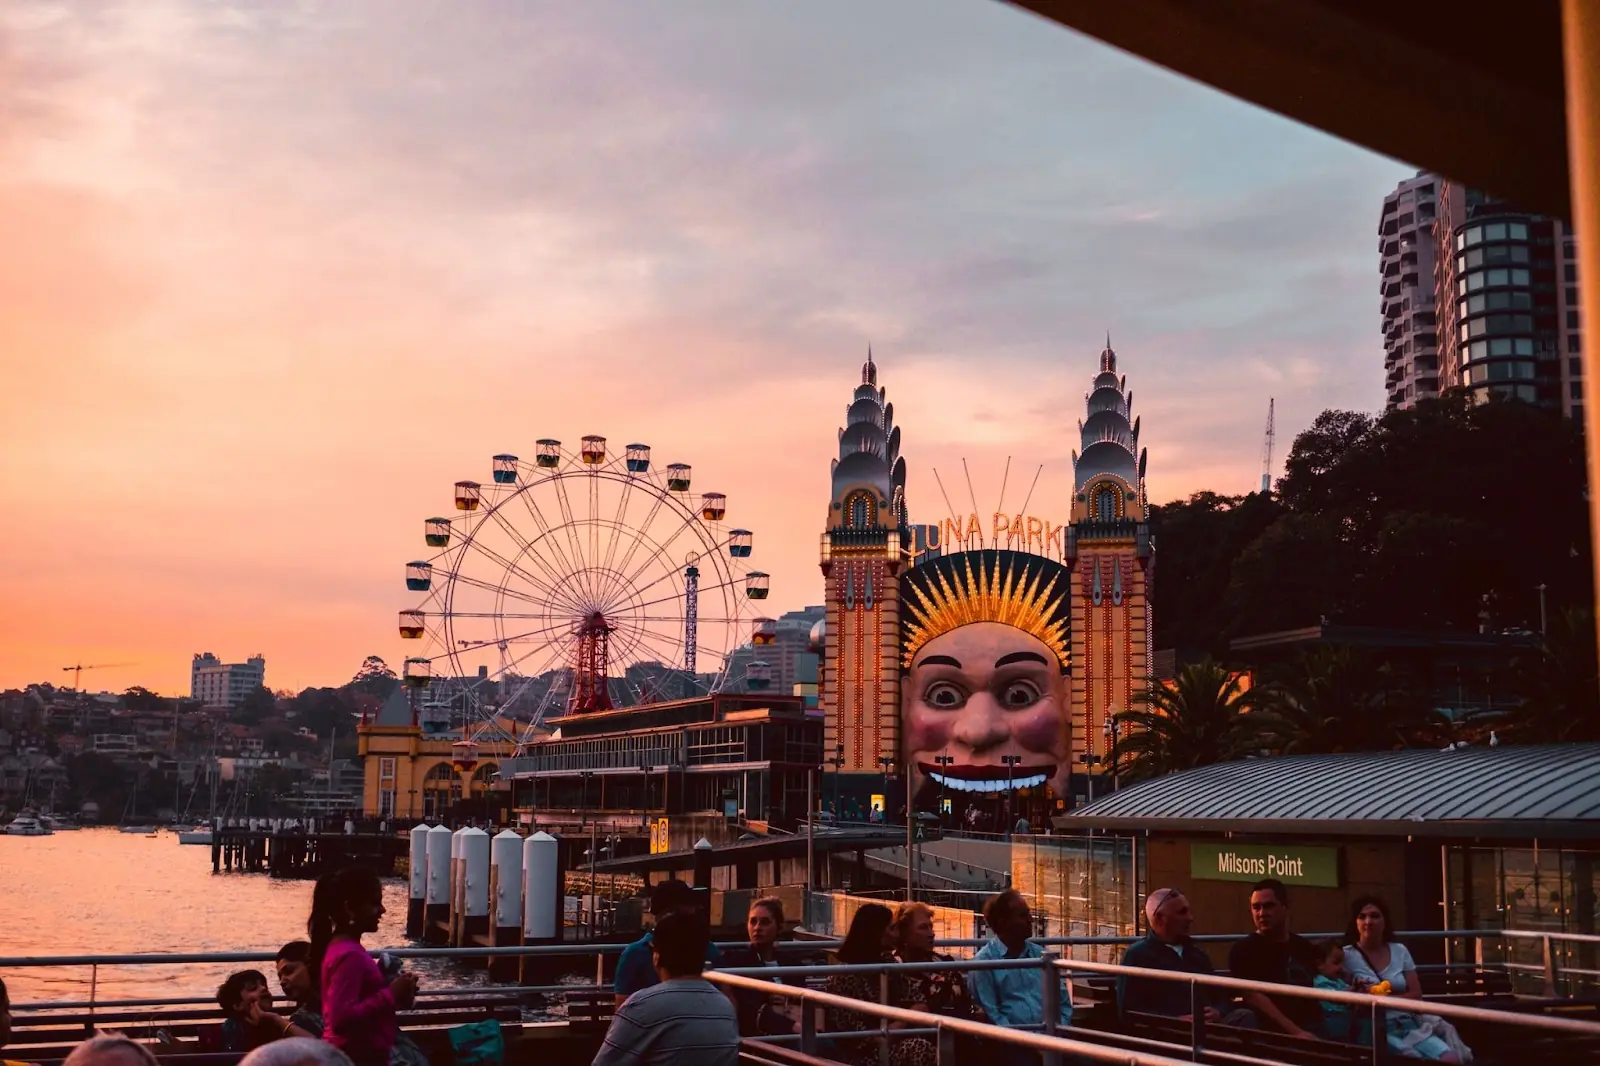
[(1480, 100), (1549, 792)]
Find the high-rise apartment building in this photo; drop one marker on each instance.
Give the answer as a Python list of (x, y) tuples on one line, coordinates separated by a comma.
[(1477, 295), (218, 684), (1507, 284), (1406, 254)]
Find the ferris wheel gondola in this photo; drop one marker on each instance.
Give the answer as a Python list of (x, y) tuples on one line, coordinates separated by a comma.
[(561, 582)]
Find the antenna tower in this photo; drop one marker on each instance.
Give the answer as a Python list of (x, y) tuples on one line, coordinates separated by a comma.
[(1266, 449)]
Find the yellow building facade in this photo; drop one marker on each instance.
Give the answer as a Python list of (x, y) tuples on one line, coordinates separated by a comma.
[(410, 775)]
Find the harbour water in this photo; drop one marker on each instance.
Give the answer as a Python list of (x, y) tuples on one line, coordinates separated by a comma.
[(101, 892)]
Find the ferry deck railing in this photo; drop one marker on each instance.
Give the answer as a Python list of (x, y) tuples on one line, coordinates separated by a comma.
[(1551, 967), (1108, 1047)]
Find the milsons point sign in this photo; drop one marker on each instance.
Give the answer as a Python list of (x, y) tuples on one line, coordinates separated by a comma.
[(1293, 864)]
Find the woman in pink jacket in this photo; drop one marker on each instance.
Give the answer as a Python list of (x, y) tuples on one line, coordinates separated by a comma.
[(358, 1002)]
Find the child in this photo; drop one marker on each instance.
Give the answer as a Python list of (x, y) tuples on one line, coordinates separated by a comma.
[(358, 1004), (1339, 1020), (248, 1020)]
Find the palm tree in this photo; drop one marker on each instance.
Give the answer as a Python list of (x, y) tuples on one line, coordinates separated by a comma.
[(1206, 715), (1336, 699), (1558, 685)]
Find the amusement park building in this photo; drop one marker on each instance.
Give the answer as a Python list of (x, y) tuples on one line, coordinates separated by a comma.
[(1101, 558), (412, 773), (717, 759)]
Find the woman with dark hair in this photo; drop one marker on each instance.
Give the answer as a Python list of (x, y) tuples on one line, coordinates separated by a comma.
[(298, 979), (870, 940), (1376, 962), (248, 1020), (358, 1003)]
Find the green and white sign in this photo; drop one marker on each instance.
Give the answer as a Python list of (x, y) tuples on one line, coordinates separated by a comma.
[(1293, 864)]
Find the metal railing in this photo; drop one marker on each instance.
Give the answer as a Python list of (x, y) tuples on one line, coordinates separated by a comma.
[(942, 1029), (1117, 1047), (597, 953)]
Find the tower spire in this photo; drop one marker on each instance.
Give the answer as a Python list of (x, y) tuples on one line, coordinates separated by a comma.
[(869, 372)]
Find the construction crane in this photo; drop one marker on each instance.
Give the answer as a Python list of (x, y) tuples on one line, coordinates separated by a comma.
[(78, 670), (1266, 449)]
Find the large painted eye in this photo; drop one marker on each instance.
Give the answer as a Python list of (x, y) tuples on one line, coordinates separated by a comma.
[(1019, 694), (944, 696)]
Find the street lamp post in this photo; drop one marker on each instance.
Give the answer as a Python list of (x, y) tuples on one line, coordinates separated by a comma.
[(944, 762), (887, 762), (1090, 761), (1113, 731), (838, 764), (1011, 762)]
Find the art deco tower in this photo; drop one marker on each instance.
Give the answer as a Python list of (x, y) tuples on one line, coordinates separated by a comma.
[(861, 561), (1111, 559)]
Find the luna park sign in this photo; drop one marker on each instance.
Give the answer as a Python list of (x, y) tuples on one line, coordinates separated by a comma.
[(1021, 532)]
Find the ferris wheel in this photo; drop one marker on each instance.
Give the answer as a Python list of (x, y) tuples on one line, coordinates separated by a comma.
[(579, 581)]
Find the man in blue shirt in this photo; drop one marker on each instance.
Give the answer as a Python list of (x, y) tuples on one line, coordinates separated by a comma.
[(636, 969), (1012, 997)]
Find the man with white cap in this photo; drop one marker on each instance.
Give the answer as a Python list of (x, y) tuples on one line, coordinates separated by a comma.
[(1167, 947)]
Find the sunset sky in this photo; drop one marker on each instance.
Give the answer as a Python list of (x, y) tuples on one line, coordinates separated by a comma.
[(273, 275)]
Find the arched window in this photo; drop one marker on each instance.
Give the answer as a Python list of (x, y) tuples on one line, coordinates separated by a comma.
[(859, 511), (441, 790), (1105, 504)]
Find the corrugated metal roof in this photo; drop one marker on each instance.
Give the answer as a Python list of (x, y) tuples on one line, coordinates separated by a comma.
[(1545, 791)]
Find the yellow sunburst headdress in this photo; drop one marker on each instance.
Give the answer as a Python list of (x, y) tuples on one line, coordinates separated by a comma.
[(1028, 592)]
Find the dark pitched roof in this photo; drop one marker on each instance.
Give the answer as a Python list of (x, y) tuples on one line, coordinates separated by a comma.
[(1537, 791)]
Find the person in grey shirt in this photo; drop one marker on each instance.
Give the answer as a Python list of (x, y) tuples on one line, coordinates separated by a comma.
[(683, 1021)]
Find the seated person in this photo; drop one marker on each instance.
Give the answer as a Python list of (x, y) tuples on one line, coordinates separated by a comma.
[(1273, 955), (248, 1021), (1167, 947), (1339, 1021), (761, 1014), (635, 970)]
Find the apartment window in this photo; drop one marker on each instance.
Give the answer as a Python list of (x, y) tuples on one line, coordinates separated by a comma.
[(1572, 343), (1575, 390), (1572, 297), (1475, 234), (1575, 367), (1570, 273), (1495, 231), (1461, 241), (1519, 253), (1499, 346), (1518, 231), (386, 769), (1572, 320)]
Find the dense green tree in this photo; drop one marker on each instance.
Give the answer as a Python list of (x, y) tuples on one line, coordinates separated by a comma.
[(1205, 716), (139, 698), (1339, 699), (1559, 685), (1408, 520), (325, 711), (374, 678), (256, 706), (1198, 542)]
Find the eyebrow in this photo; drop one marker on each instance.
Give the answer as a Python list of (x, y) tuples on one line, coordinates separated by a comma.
[(1021, 657), (940, 660)]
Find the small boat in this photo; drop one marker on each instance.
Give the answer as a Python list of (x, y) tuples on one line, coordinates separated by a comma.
[(27, 825), (138, 830), (57, 825), (200, 834)]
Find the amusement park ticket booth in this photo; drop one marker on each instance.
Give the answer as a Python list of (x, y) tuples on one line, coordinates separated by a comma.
[(1509, 837)]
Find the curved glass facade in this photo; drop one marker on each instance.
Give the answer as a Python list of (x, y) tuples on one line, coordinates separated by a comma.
[(1505, 309)]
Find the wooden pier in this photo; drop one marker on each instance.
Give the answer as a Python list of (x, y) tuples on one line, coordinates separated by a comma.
[(301, 850)]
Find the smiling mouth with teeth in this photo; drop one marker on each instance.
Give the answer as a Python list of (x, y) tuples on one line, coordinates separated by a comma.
[(988, 778)]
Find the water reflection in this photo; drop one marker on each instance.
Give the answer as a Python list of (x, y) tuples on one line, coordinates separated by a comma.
[(98, 891)]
